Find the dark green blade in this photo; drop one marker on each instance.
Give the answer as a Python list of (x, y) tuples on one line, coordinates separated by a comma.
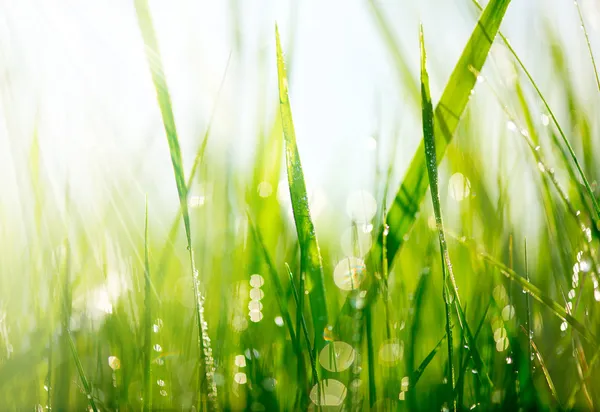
[(311, 262), (402, 213)]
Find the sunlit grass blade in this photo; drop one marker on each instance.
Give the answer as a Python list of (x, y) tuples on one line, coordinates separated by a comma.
[(416, 375), (393, 46), (545, 371), (147, 321), (587, 41), (463, 368), (84, 382), (279, 291), (402, 213), (429, 143), (311, 262), (533, 291), (198, 160), (164, 101), (566, 142), (313, 362)]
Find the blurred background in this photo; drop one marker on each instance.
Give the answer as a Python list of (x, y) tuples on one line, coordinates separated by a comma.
[(82, 147)]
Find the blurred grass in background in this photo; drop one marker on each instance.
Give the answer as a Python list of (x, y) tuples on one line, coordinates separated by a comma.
[(244, 284)]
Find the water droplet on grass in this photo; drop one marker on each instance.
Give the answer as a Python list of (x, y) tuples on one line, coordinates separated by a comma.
[(114, 363), (337, 356), (331, 393), (349, 273), (240, 378), (459, 187)]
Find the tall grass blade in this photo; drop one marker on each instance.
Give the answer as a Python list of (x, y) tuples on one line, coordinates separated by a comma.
[(406, 77), (533, 291), (402, 213), (84, 382), (311, 262), (546, 373), (587, 42), (164, 101), (295, 294), (198, 160), (279, 290), (566, 142), (416, 375), (429, 142), (147, 321)]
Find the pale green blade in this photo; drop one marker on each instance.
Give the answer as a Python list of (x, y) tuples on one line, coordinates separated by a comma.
[(164, 101), (402, 213)]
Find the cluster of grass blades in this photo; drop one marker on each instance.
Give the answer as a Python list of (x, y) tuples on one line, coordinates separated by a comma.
[(483, 325)]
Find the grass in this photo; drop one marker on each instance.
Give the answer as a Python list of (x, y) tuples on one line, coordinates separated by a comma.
[(244, 309)]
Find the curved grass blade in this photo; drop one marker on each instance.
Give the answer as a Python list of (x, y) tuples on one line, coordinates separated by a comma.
[(198, 159), (147, 322), (533, 291), (86, 385), (429, 142), (406, 77), (545, 371), (585, 181), (280, 292), (164, 101), (313, 362), (416, 375), (311, 262), (402, 213), (587, 41)]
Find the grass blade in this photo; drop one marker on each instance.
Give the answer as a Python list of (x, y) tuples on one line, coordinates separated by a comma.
[(280, 292), (587, 41), (416, 375), (84, 382), (566, 142), (405, 76), (429, 141), (198, 159), (164, 101), (534, 292), (545, 371), (313, 362), (402, 213), (311, 262), (147, 322)]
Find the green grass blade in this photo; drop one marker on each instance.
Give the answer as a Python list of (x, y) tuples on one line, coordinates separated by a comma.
[(429, 142), (311, 262), (198, 159), (546, 373), (164, 101), (147, 322), (566, 142), (534, 292), (587, 41), (279, 291), (402, 213), (416, 375), (295, 294), (84, 382), (406, 77)]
